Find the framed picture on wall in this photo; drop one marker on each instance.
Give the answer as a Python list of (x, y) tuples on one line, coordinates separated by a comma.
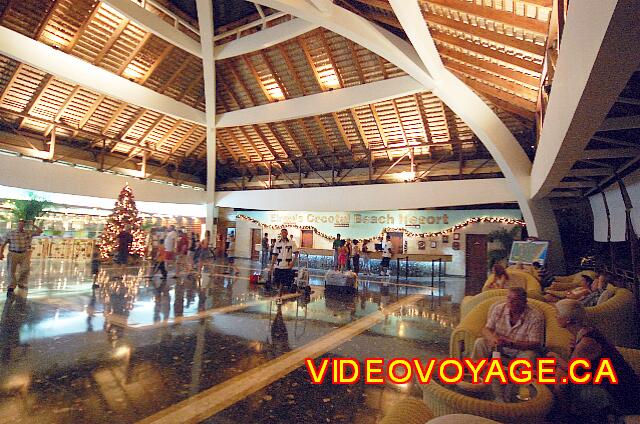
[(456, 236), (456, 245), (434, 244), (445, 238), (422, 245)]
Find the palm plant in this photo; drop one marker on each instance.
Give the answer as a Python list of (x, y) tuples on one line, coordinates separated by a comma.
[(29, 209), (504, 238)]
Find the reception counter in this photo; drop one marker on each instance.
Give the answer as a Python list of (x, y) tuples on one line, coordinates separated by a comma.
[(412, 265), (421, 257)]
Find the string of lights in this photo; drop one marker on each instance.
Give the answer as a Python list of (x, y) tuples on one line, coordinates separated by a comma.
[(475, 220)]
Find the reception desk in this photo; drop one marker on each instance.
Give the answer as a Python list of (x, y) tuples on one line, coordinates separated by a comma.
[(412, 264), (414, 257)]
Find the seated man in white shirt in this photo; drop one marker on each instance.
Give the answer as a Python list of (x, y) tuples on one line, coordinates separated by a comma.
[(283, 258)]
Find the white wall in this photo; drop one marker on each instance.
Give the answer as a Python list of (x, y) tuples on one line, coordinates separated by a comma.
[(372, 197), (56, 178), (616, 210)]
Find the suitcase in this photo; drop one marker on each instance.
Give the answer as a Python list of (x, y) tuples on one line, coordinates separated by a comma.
[(341, 281)]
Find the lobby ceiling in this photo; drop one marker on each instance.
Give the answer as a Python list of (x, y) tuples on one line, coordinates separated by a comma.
[(498, 52)]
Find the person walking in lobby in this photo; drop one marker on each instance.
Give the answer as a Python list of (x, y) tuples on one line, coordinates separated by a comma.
[(19, 241), (355, 256), (124, 245), (170, 245), (264, 251), (284, 254), (337, 244)]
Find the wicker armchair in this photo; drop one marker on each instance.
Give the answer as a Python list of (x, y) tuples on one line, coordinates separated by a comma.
[(632, 356), (519, 279), (444, 401), (408, 411), (470, 302), (568, 282), (616, 318), (470, 328)]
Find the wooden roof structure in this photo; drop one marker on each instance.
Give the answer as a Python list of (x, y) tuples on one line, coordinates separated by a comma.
[(497, 50)]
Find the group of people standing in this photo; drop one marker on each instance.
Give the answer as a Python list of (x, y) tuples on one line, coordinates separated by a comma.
[(180, 250), (347, 254)]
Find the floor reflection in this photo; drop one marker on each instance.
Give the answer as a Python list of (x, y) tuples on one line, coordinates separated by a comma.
[(133, 346)]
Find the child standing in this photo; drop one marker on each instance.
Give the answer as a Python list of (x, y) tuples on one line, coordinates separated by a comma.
[(159, 260), (343, 255)]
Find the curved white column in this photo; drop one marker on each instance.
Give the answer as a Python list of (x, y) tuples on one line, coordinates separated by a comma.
[(321, 103), (461, 99), (263, 39)]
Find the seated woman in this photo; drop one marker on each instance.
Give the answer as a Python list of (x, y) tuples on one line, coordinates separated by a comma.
[(499, 279), (593, 402), (598, 287), (578, 293)]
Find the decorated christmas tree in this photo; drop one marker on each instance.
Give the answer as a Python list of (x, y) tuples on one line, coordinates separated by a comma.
[(124, 213)]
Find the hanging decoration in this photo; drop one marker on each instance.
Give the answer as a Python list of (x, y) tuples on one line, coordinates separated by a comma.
[(476, 220), (124, 213)]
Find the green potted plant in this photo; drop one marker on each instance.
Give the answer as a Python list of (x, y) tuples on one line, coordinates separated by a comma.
[(29, 209), (503, 238)]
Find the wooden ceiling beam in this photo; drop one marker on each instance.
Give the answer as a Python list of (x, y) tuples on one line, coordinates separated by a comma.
[(501, 16), (95, 6), (308, 136), (265, 141), (525, 92), (252, 68), (234, 73), (423, 119), (142, 139), (132, 123), (237, 142), (533, 81), (292, 136), (251, 143), (176, 74), (87, 134), (139, 46), (157, 63), (114, 117), (181, 141), (487, 51), (494, 36), (495, 92), (281, 142), (169, 133), (35, 98), (92, 109), (111, 41), (12, 80)]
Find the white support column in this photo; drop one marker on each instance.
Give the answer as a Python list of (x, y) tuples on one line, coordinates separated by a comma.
[(205, 20)]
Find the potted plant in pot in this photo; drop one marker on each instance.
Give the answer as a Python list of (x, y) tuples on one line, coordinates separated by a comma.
[(503, 240)]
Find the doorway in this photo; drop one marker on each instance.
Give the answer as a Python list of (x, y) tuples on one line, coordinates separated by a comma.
[(476, 263), (307, 239), (256, 240), (396, 241)]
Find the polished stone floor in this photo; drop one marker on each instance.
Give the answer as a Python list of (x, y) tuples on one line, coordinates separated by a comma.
[(213, 349)]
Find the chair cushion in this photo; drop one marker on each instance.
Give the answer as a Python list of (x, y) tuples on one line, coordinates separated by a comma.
[(461, 419), (606, 295)]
